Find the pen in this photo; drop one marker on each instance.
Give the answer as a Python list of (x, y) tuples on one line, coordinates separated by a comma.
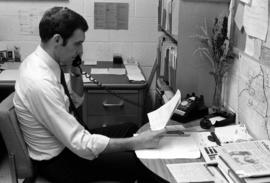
[(213, 134)]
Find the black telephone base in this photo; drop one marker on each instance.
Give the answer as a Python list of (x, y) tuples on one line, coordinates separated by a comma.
[(229, 118), (195, 114)]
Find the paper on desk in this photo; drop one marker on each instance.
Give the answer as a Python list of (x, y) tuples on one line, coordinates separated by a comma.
[(172, 147), (117, 71), (9, 75), (134, 73), (90, 62), (159, 118), (184, 172), (99, 71), (226, 134)]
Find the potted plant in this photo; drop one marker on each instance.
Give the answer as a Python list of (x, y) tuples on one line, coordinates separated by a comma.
[(217, 48)]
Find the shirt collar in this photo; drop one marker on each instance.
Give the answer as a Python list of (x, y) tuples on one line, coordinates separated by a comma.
[(49, 61)]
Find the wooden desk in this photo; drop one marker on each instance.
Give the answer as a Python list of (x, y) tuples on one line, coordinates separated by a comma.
[(158, 166), (118, 101)]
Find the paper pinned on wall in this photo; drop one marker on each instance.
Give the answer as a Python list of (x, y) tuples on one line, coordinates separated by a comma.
[(111, 15), (256, 19), (159, 118), (239, 16)]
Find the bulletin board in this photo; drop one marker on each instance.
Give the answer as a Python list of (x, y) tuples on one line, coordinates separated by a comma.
[(240, 39)]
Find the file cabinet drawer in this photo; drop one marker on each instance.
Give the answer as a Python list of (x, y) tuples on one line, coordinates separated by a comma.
[(103, 121), (101, 108), (120, 103)]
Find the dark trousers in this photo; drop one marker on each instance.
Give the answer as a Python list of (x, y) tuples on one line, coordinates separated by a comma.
[(67, 167)]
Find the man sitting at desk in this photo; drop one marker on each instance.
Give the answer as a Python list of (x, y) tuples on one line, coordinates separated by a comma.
[(60, 147)]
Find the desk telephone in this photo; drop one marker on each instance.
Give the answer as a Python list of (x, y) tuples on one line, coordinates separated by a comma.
[(192, 107)]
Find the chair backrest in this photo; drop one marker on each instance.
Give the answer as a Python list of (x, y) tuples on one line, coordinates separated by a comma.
[(15, 144)]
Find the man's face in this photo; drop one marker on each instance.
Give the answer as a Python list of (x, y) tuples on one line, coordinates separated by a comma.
[(72, 48)]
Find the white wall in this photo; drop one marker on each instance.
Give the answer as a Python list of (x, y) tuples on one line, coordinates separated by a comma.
[(139, 41)]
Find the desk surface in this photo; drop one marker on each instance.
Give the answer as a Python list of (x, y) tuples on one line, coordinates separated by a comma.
[(158, 166), (110, 80), (107, 80)]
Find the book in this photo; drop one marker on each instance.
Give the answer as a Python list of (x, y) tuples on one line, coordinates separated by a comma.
[(247, 159)]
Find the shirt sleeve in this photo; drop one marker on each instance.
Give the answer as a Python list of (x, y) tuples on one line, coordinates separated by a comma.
[(52, 113)]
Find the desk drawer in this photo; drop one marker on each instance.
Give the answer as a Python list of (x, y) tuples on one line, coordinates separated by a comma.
[(103, 121), (120, 103)]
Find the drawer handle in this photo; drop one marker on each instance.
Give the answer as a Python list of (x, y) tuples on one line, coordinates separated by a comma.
[(120, 104)]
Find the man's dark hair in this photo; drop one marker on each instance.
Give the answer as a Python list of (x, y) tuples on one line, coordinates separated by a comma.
[(60, 20)]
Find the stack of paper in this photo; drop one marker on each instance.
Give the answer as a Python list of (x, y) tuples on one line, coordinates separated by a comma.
[(184, 172), (172, 147), (134, 73), (9, 75)]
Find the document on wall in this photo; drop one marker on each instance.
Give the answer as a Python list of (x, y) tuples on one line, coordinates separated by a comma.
[(239, 16), (184, 172), (159, 118), (256, 19), (172, 147)]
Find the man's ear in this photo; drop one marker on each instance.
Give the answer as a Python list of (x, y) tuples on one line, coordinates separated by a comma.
[(57, 38)]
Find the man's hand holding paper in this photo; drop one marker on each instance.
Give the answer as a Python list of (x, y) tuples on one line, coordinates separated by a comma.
[(160, 117)]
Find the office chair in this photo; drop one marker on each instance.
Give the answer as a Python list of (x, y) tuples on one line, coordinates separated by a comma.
[(19, 161)]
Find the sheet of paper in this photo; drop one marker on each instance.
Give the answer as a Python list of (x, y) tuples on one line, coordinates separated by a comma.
[(184, 172), (90, 62), (99, 71), (245, 1), (9, 75), (171, 147), (117, 71), (135, 77), (226, 134), (111, 15), (253, 47), (159, 118), (267, 41), (134, 73), (239, 16), (256, 19)]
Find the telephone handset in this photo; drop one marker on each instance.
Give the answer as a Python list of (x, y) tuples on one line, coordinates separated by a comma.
[(77, 61)]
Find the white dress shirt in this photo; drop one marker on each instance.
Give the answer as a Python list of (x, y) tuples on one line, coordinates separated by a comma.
[(42, 109)]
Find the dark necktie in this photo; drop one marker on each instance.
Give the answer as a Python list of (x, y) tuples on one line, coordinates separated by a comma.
[(72, 108)]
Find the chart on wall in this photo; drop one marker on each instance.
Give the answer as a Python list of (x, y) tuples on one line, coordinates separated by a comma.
[(254, 96)]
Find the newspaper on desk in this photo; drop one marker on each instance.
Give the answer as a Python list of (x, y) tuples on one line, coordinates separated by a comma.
[(226, 134), (247, 159)]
